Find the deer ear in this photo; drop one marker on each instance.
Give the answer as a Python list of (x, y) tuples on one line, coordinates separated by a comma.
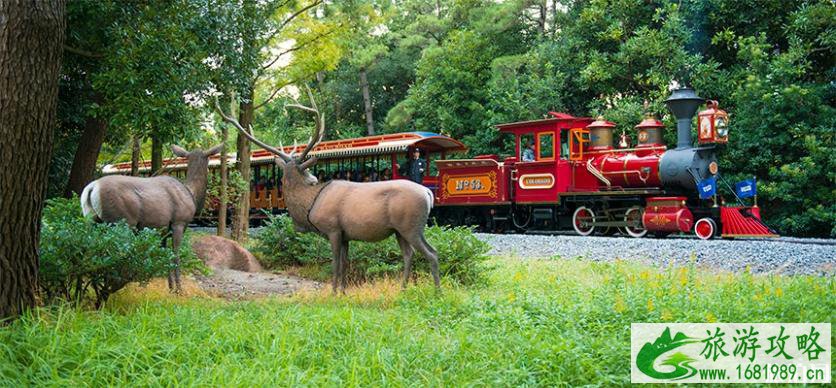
[(213, 150), (179, 151), (308, 163)]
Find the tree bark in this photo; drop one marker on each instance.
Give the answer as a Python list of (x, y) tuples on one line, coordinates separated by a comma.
[(241, 222), (156, 155), (224, 185), (367, 101), (31, 40), (136, 149), (86, 155)]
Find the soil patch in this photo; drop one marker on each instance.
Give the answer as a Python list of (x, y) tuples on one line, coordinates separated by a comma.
[(232, 284)]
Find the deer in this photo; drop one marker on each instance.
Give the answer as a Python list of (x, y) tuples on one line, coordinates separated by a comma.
[(343, 211), (161, 202)]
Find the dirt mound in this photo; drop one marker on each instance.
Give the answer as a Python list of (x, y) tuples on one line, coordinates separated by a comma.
[(221, 253), (232, 284)]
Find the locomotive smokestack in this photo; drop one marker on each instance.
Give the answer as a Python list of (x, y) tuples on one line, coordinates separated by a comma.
[(683, 103)]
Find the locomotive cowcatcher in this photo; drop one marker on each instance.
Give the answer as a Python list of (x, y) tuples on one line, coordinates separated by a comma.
[(573, 177)]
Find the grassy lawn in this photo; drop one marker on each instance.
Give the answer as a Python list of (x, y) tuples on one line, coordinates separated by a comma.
[(537, 322)]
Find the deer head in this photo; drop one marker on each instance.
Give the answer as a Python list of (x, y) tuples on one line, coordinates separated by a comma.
[(294, 166)]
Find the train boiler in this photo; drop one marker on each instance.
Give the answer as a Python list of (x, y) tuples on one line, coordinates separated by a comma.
[(567, 173)]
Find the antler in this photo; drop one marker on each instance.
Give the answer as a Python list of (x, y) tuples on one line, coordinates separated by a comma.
[(319, 120), (285, 157)]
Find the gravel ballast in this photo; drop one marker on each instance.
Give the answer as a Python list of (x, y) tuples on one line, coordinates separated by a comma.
[(780, 256)]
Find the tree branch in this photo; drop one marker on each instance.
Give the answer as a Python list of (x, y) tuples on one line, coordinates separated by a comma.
[(298, 47), (273, 95), (299, 12), (83, 53)]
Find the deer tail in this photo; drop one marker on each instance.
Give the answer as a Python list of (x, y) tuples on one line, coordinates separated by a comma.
[(90, 202), (429, 198)]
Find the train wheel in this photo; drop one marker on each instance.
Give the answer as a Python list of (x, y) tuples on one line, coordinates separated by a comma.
[(633, 218), (582, 221), (705, 228)]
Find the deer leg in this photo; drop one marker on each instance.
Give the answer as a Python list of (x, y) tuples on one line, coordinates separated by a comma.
[(344, 265), (336, 262), (170, 273), (176, 239), (407, 251), (421, 244)]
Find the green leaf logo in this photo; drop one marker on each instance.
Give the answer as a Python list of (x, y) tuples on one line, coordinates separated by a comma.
[(679, 361)]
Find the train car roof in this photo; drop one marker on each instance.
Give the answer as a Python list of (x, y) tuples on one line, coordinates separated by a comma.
[(330, 149), (557, 119)]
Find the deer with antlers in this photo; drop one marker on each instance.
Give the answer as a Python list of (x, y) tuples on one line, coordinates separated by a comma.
[(344, 211), (155, 202)]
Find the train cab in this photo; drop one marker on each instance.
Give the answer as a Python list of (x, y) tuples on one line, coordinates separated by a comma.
[(546, 152)]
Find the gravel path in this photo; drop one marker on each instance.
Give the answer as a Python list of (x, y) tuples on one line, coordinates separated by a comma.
[(784, 256), (232, 284)]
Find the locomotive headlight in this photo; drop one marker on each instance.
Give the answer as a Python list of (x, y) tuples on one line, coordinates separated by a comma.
[(722, 127)]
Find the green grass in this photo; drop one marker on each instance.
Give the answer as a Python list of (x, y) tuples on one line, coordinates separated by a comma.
[(538, 322)]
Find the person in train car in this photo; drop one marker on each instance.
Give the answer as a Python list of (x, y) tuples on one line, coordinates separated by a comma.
[(414, 168), (386, 174), (528, 153)]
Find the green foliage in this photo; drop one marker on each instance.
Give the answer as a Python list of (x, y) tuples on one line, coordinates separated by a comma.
[(81, 260), (461, 254), (539, 323), (235, 187)]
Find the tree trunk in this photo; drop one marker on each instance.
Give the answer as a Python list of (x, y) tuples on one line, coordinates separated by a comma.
[(224, 185), (31, 40), (541, 22), (86, 155), (242, 210), (136, 149), (156, 155), (367, 100)]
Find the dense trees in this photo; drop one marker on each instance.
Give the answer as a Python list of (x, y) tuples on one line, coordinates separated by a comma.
[(458, 67), (470, 64), (32, 35)]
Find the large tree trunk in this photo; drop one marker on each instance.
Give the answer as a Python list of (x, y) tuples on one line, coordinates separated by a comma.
[(136, 150), (242, 209), (367, 100), (156, 155), (86, 155), (224, 185), (31, 40)]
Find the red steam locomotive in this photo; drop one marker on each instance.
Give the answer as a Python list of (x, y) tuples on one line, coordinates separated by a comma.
[(568, 174)]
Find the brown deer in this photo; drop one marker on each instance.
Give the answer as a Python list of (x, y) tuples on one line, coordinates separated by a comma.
[(343, 211), (156, 202)]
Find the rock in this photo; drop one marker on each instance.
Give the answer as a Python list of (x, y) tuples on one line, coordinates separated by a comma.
[(222, 253)]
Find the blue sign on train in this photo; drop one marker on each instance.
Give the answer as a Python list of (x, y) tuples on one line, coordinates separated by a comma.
[(707, 187), (746, 189)]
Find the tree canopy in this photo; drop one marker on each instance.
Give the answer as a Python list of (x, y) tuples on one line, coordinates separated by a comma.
[(460, 67)]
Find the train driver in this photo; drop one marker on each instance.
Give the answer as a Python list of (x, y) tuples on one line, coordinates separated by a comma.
[(528, 153)]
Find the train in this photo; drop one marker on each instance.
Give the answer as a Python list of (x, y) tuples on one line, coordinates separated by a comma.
[(566, 173)]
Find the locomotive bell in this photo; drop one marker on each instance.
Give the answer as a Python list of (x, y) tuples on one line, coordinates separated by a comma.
[(650, 132), (683, 103), (600, 133), (713, 124)]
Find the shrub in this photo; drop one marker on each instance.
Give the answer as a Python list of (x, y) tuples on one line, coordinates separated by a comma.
[(461, 255), (80, 260)]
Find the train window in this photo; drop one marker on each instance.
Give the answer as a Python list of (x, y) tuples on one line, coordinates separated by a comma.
[(564, 144), (545, 146), (525, 143)]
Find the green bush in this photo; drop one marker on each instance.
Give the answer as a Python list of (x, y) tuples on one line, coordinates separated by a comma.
[(81, 260), (461, 255)]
